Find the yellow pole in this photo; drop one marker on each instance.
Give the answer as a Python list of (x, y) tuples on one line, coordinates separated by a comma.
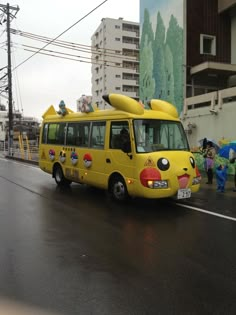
[(28, 148), (21, 146)]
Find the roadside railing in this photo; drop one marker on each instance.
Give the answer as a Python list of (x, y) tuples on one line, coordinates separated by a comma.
[(27, 153)]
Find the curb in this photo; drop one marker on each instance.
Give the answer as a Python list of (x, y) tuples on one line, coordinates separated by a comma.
[(22, 160)]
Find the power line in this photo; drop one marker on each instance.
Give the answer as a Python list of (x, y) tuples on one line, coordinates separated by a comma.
[(61, 34), (75, 46), (103, 61), (78, 60), (51, 53), (17, 87)]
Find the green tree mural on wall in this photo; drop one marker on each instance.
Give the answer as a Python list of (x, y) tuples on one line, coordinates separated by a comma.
[(169, 75), (174, 39), (159, 59), (147, 32), (147, 83), (167, 56)]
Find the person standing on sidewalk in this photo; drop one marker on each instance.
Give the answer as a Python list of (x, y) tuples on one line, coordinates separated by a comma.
[(221, 177), (209, 156)]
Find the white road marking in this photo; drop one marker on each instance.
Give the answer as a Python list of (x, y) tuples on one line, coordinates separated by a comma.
[(207, 212)]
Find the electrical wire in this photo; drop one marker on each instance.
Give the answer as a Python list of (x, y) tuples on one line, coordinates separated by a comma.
[(78, 60), (17, 87), (101, 62), (71, 55), (61, 34), (108, 57), (75, 46)]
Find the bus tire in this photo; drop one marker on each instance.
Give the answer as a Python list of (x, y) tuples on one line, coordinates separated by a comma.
[(118, 189), (59, 176)]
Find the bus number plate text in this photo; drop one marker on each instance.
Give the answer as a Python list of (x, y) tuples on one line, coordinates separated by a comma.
[(184, 193)]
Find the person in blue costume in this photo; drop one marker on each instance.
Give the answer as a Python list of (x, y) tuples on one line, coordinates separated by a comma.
[(232, 160), (221, 177)]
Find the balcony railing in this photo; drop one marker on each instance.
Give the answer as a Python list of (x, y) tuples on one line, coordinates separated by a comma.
[(213, 100)]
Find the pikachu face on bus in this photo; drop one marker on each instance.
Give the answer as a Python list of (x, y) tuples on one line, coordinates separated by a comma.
[(127, 150)]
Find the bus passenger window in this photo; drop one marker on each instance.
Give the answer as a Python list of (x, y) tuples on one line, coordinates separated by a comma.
[(70, 136), (82, 134), (98, 135), (45, 133), (119, 136), (61, 130), (52, 133)]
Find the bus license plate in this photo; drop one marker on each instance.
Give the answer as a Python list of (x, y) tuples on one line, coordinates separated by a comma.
[(184, 193)]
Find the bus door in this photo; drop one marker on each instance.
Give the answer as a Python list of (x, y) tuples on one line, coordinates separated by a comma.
[(120, 156)]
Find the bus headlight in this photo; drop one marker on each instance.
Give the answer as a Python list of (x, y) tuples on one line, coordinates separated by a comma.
[(157, 184)]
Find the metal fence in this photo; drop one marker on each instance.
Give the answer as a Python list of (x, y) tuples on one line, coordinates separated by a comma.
[(28, 152)]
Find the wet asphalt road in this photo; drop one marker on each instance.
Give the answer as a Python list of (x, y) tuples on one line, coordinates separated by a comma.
[(74, 251)]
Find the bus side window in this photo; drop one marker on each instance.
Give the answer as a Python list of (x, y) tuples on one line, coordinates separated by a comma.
[(70, 135), (45, 133), (98, 134), (82, 134), (117, 134), (115, 142), (52, 133), (59, 133)]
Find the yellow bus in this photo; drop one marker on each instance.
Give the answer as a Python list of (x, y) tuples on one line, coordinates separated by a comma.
[(127, 150)]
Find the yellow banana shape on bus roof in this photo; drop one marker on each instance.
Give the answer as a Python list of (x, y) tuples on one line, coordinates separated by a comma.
[(163, 106), (124, 103), (128, 104)]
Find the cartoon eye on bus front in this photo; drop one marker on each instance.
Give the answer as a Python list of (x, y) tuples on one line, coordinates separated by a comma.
[(128, 150)]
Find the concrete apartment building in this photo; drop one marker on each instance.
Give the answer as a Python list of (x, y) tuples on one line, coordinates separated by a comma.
[(115, 59), (210, 102)]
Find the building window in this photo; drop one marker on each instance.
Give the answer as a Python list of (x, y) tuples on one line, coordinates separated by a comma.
[(117, 75), (117, 88), (117, 39), (207, 44), (117, 26)]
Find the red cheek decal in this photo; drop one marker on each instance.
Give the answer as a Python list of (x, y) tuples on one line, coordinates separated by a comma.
[(149, 174)]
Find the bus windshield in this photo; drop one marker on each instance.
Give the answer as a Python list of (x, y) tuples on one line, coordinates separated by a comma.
[(156, 135)]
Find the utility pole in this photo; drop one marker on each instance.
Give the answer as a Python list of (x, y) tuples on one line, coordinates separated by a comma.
[(7, 9)]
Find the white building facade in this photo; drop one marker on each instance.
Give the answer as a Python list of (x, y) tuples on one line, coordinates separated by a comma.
[(115, 60)]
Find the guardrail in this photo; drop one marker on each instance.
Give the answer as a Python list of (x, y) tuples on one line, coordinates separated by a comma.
[(30, 153)]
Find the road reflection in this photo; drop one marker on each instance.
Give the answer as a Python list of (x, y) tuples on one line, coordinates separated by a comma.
[(85, 221)]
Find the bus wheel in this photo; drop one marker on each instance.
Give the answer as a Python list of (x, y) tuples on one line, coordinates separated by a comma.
[(118, 189), (59, 176)]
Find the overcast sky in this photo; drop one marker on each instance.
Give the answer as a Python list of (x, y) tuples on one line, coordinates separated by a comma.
[(44, 80)]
